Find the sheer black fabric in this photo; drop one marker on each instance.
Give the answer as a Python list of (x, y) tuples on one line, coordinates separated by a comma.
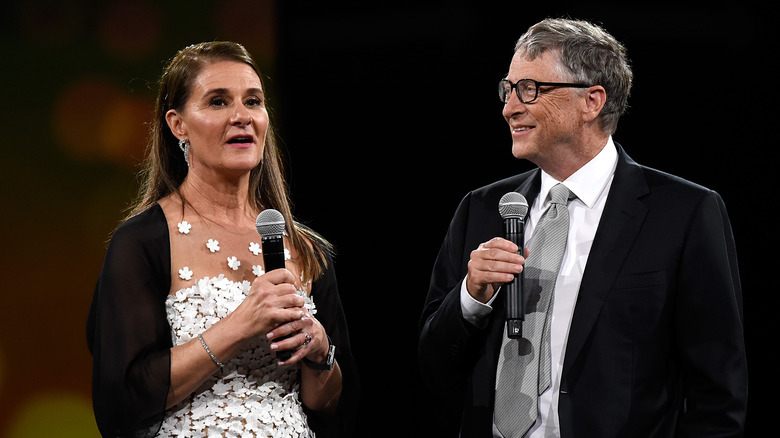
[(331, 315), (130, 339), (127, 328)]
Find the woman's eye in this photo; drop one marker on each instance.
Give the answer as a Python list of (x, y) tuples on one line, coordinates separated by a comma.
[(254, 101), (217, 101)]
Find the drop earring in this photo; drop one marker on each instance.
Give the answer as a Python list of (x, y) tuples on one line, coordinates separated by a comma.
[(184, 145)]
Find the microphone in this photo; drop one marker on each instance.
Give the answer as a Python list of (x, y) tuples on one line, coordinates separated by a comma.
[(270, 225), (513, 207)]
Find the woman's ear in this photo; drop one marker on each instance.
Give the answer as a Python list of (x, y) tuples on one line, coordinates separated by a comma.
[(176, 124)]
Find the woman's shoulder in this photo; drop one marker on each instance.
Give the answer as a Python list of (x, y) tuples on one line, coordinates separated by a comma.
[(140, 241), (149, 223)]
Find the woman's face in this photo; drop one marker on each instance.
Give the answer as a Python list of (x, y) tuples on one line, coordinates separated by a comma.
[(224, 119)]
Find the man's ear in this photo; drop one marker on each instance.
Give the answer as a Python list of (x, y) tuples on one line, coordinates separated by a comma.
[(176, 124), (595, 98)]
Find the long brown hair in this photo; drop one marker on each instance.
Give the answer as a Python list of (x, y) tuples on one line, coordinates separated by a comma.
[(164, 168)]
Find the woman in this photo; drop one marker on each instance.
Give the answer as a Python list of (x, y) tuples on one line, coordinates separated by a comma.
[(185, 323)]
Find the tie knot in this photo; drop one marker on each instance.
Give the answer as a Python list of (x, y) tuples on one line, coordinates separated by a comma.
[(560, 194)]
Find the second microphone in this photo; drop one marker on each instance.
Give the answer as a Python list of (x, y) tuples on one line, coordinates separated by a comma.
[(513, 207)]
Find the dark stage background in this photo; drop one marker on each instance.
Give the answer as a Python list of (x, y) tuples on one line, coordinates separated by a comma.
[(389, 116)]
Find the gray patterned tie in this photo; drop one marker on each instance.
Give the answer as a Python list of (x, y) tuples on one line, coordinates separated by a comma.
[(522, 373)]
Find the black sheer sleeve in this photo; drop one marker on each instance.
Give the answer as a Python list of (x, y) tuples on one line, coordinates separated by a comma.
[(330, 314), (127, 329)]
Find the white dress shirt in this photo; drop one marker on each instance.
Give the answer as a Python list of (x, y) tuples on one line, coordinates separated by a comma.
[(591, 185)]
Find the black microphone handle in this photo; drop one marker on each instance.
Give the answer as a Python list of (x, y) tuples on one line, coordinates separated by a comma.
[(273, 257), (273, 252), (513, 291)]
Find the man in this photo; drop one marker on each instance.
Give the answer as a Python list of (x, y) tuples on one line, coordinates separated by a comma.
[(646, 334)]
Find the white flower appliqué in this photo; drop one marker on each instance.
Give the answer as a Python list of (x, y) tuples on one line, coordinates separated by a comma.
[(233, 263), (250, 396), (287, 254), (257, 270), (255, 248), (213, 245), (185, 273), (184, 227)]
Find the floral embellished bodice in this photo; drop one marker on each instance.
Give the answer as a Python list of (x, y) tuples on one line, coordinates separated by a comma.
[(242, 256), (251, 396)]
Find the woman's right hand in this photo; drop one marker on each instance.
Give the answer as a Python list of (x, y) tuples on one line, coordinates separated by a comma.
[(272, 301)]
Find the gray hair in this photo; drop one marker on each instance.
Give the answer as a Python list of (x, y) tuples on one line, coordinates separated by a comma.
[(587, 54)]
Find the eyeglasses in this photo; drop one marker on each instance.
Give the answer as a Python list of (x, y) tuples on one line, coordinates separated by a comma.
[(528, 89)]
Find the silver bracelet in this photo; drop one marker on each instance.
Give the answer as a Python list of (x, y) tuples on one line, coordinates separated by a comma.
[(208, 350)]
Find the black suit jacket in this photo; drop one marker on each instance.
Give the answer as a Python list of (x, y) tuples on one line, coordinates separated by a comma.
[(656, 346)]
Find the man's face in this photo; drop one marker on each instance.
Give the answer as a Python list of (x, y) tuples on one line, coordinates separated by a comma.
[(549, 126)]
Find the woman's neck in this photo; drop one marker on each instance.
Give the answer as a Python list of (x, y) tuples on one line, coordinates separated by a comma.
[(224, 202)]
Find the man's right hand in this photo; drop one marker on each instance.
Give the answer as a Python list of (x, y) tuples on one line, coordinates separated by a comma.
[(491, 265)]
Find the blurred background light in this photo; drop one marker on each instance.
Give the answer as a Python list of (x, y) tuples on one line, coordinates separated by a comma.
[(54, 415), (129, 30), (96, 120)]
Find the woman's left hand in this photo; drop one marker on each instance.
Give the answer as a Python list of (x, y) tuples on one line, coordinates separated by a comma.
[(308, 339)]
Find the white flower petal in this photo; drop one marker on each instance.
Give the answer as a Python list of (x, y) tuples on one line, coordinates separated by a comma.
[(233, 263), (184, 227), (185, 273)]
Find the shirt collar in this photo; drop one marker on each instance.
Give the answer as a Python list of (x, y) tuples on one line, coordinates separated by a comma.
[(589, 181)]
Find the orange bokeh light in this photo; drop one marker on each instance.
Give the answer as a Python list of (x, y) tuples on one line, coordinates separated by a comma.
[(96, 120)]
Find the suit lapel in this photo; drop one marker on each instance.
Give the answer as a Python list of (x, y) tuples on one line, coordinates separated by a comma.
[(620, 222), (531, 186)]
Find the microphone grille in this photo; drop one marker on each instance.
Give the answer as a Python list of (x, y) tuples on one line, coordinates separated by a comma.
[(513, 205), (270, 222)]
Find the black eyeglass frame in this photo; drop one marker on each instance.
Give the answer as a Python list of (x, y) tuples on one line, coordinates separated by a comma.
[(536, 83)]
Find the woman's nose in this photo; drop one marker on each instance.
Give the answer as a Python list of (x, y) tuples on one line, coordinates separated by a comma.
[(240, 117)]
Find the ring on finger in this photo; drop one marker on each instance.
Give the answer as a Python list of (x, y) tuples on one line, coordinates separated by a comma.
[(307, 340)]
